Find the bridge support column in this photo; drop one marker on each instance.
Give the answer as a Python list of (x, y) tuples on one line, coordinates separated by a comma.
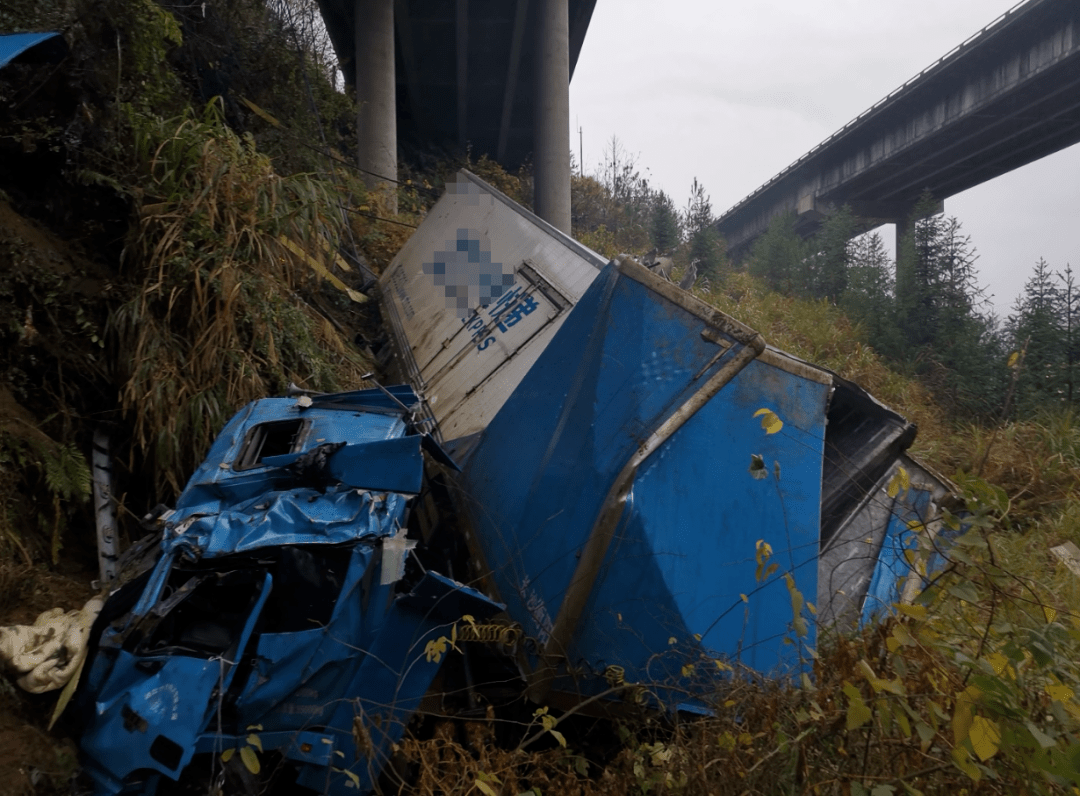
[(903, 226), (376, 107), (551, 123)]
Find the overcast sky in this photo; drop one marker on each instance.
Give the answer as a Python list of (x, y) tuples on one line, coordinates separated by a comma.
[(732, 92)]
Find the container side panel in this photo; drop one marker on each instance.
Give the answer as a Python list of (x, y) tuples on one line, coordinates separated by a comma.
[(683, 561), (474, 295), (624, 361)]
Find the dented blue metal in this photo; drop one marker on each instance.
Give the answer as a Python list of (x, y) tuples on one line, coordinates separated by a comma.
[(275, 616)]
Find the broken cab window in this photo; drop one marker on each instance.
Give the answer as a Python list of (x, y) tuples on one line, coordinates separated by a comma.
[(270, 439)]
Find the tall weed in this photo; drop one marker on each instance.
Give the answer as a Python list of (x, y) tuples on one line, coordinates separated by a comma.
[(223, 257)]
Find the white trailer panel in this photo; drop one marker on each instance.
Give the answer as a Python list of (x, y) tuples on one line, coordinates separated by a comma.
[(474, 296)]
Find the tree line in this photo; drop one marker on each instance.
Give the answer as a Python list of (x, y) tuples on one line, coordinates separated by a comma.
[(927, 313), (924, 311)]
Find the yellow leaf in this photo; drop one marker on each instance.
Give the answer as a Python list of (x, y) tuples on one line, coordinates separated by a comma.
[(226, 756), (559, 737), (435, 649), (1060, 693), (255, 741), (688, 670), (744, 598), (902, 720), (1000, 664), (963, 713), (671, 640), (1014, 357), (914, 611), (770, 421), (485, 788), (962, 758), (250, 760), (900, 481), (1049, 613), (858, 712), (260, 112), (985, 737), (722, 666), (69, 689)]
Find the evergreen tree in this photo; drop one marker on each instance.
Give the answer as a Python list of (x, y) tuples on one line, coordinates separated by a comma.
[(778, 254), (665, 224), (825, 270), (1069, 314), (869, 294), (939, 302), (1036, 326), (699, 223)]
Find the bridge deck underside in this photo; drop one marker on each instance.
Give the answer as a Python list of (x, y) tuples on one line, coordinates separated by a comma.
[(465, 70), (1006, 98)]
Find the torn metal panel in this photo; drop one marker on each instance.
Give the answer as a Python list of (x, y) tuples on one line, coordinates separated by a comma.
[(862, 566), (277, 601), (50, 45)]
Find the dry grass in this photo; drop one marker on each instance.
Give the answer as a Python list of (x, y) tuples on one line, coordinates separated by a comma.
[(222, 258)]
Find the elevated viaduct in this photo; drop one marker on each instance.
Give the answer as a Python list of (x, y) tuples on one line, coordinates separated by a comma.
[(1007, 96)]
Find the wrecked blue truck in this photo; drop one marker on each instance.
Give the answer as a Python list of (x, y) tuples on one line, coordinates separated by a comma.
[(595, 478), (276, 615)]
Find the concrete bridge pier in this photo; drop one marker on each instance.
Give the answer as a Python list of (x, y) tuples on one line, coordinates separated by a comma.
[(551, 115), (376, 101)]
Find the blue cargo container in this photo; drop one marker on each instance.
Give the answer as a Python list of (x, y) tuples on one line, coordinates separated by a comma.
[(625, 498)]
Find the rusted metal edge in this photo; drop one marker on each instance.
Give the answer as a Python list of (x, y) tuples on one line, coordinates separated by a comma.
[(611, 510), (720, 321)]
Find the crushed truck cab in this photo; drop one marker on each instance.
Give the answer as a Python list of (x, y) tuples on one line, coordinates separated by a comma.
[(275, 614)]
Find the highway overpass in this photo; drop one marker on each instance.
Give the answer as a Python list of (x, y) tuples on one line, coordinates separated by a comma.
[(1007, 96)]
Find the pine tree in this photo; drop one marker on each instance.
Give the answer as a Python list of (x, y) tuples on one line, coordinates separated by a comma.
[(665, 224), (869, 295), (1036, 325), (698, 221), (1069, 313), (945, 334), (778, 254), (825, 270)]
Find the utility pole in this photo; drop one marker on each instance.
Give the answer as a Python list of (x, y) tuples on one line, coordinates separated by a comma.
[(581, 152)]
